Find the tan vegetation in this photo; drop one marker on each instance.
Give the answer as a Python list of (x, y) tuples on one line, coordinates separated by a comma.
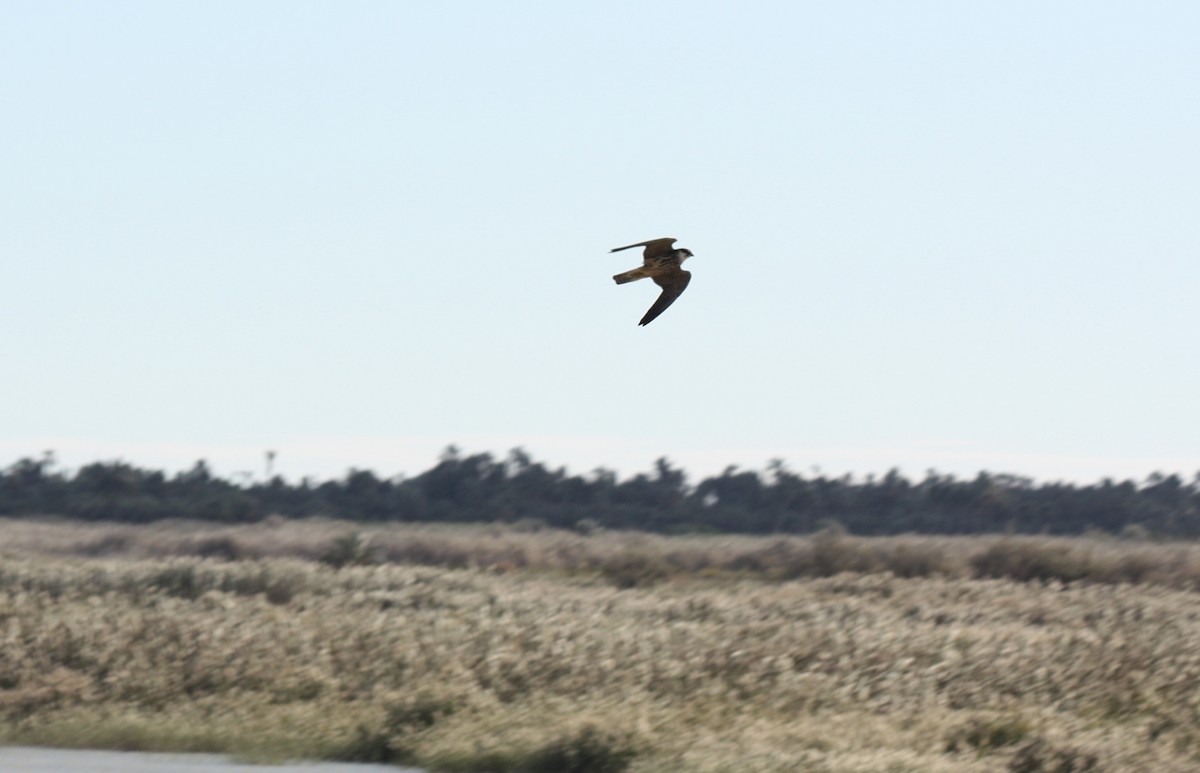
[(537, 650), (626, 558)]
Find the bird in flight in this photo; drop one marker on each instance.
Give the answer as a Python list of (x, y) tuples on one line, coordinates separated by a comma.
[(662, 263)]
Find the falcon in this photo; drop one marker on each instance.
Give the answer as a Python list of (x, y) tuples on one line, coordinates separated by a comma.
[(662, 263)]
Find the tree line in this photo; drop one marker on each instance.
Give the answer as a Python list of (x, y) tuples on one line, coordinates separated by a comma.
[(516, 488)]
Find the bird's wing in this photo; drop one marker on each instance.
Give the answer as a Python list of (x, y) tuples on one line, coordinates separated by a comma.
[(654, 247), (673, 285)]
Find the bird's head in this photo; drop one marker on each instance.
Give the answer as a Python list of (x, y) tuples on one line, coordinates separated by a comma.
[(684, 253)]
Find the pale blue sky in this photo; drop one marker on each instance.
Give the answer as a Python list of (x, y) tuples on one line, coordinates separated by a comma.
[(942, 235)]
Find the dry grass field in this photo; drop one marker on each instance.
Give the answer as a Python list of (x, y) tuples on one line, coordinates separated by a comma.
[(501, 649)]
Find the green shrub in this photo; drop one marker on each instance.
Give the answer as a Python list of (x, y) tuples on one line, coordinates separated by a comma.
[(987, 734), (1024, 560), (181, 581), (1041, 756), (588, 751), (351, 549), (634, 570)]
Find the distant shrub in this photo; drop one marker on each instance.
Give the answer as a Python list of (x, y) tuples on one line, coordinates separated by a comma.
[(987, 734), (919, 560), (420, 712), (181, 581), (633, 570), (277, 585), (429, 551), (106, 545), (351, 549), (281, 590), (368, 745), (1026, 560), (835, 551), (782, 559), (528, 525), (1135, 532), (588, 751), (222, 547), (588, 526), (1041, 756)]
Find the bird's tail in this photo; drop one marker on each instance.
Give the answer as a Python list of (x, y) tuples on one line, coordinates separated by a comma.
[(630, 276)]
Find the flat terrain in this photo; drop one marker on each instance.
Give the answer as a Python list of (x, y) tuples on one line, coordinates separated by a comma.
[(486, 648), (24, 759)]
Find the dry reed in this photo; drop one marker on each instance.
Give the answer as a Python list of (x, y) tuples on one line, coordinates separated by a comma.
[(626, 558), (549, 651)]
